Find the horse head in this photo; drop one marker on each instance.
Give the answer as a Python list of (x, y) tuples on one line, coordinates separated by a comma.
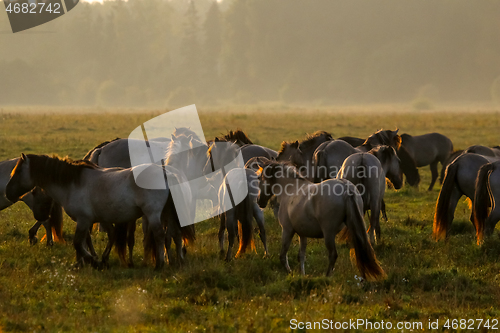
[(20, 181)]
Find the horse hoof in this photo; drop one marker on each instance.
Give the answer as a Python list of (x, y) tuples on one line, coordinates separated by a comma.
[(33, 240), (50, 243)]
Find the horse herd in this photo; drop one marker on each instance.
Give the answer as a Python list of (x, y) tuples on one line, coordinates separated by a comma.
[(318, 187)]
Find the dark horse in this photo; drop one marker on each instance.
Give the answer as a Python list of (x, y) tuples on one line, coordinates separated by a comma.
[(428, 149), (459, 180), (487, 196), (46, 211)]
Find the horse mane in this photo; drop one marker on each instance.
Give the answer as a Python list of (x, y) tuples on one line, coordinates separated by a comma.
[(235, 136), (285, 144), (307, 142), (383, 137), (55, 170), (87, 156)]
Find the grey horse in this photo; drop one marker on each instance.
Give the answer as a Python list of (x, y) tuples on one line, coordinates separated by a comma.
[(317, 211), (368, 171)]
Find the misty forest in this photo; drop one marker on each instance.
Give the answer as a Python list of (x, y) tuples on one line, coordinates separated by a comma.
[(159, 53)]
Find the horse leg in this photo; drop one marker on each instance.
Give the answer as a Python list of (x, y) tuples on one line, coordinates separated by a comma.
[(259, 217), (145, 225), (375, 221), (222, 232), (332, 254), (157, 231), (33, 231), (384, 213), (302, 254), (179, 248), (131, 242), (90, 245), (48, 232), (434, 172), (286, 240), (110, 230), (168, 245), (232, 231), (81, 234)]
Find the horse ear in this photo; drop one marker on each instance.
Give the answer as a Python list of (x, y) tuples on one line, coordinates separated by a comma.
[(172, 137), (216, 139), (23, 157), (396, 131)]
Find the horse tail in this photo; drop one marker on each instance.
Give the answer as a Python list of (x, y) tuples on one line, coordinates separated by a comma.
[(90, 152), (121, 230), (409, 166), (441, 218), (245, 225), (362, 251), (56, 222), (482, 199)]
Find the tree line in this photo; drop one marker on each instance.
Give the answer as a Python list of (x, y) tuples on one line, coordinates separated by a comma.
[(178, 52)]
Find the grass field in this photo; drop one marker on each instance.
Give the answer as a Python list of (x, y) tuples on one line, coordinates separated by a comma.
[(39, 290)]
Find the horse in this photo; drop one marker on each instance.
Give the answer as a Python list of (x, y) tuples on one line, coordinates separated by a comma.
[(330, 155), (47, 213), (485, 151), (487, 195), (367, 171), (91, 194), (459, 180), (300, 154), (233, 204), (244, 212), (428, 149), (317, 211)]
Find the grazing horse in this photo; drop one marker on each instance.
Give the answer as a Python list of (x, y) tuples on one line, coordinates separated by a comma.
[(300, 154), (317, 211), (487, 196), (428, 149), (90, 194), (459, 180), (367, 171), (485, 151), (47, 213)]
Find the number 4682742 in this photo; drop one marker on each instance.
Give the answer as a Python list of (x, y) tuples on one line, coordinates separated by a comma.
[(32, 8)]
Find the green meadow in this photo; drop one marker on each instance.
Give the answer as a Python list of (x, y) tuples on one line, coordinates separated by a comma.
[(426, 280)]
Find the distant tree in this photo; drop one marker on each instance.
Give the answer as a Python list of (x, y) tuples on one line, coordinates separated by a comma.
[(212, 52)]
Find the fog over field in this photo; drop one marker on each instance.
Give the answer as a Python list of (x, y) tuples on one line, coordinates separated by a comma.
[(159, 53)]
